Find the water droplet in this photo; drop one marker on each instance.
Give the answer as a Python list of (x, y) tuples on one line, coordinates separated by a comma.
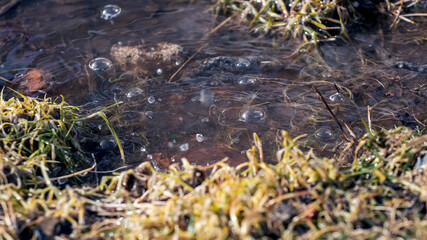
[(252, 115), (134, 92), (149, 114), (143, 149), (242, 63), (184, 147), (110, 11), (247, 81), (324, 133), (173, 159), (159, 71), (336, 97), (171, 145), (181, 118), (151, 99), (199, 137), (159, 99), (177, 63), (149, 156), (100, 64)]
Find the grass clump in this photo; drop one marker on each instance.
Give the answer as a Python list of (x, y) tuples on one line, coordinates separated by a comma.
[(39, 138), (312, 20), (299, 197)]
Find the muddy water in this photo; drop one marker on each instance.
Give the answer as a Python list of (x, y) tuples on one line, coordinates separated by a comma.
[(236, 85)]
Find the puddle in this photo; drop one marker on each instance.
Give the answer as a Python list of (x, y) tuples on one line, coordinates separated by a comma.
[(237, 84)]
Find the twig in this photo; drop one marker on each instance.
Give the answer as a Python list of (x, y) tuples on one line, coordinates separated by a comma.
[(319, 95), (186, 62), (369, 119), (201, 48), (74, 174)]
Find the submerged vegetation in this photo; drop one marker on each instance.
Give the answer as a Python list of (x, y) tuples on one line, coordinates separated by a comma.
[(301, 196)]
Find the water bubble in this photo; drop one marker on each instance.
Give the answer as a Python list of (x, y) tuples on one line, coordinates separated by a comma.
[(19, 76), (149, 156), (110, 11), (214, 83), (107, 144), (324, 133), (159, 71), (149, 114), (242, 63), (171, 145), (173, 159), (143, 149), (151, 99), (336, 97), (100, 64), (134, 92), (177, 63), (247, 81), (252, 115), (204, 120), (184, 147), (199, 137), (326, 75)]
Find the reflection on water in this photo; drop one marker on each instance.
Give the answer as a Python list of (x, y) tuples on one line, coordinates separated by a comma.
[(236, 85)]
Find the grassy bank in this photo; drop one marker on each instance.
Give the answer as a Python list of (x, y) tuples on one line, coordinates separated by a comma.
[(300, 197)]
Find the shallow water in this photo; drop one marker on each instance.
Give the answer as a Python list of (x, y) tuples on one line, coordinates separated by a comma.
[(213, 106)]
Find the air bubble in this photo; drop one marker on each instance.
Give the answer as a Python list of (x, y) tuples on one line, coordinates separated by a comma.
[(324, 133), (149, 114), (247, 81), (336, 97), (19, 76), (252, 115), (134, 92), (242, 63), (184, 147), (100, 64), (159, 71), (151, 99), (110, 11), (199, 137), (107, 144)]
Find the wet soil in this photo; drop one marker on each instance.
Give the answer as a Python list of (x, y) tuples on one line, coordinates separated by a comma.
[(238, 83)]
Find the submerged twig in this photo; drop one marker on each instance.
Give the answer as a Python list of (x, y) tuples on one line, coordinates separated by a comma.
[(319, 95)]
